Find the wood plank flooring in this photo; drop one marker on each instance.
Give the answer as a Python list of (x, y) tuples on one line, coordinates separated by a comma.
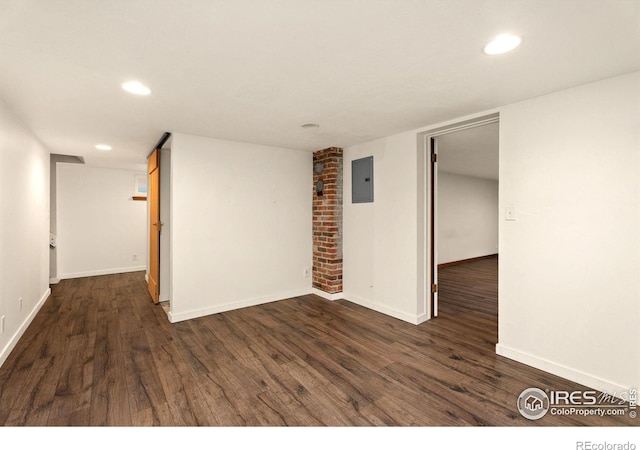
[(99, 353)]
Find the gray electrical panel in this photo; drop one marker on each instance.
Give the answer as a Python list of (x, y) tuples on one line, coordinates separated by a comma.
[(362, 180)]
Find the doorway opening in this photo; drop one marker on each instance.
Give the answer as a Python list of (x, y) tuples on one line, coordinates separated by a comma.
[(462, 226)]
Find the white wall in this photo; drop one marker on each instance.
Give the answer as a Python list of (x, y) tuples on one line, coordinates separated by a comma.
[(569, 293), (380, 238), (570, 263), (100, 227), (24, 228), (467, 217), (241, 224)]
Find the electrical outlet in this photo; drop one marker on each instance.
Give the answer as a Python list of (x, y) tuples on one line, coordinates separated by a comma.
[(135, 257), (306, 272), (2, 325), (20, 303)]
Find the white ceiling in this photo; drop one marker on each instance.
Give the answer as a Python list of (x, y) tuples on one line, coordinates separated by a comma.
[(255, 70), (471, 152)]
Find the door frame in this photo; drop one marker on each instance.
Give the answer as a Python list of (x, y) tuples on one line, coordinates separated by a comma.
[(427, 210), (432, 152)]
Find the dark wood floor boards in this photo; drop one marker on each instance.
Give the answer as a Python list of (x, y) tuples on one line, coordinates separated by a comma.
[(275, 386), (50, 356), (326, 401), (109, 395), (176, 378), (100, 353)]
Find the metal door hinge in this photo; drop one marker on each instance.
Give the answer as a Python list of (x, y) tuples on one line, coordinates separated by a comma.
[(434, 288)]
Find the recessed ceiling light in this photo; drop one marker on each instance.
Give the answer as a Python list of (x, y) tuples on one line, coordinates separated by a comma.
[(502, 43), (135, 87), (310, 125), (103, 147)]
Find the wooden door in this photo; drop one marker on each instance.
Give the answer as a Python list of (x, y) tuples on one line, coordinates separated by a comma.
[(153, 197)]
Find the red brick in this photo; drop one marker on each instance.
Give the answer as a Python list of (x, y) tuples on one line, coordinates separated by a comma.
[(327, 222)]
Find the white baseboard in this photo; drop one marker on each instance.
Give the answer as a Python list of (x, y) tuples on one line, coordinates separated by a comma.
[(93, 273), (411, 318), (562, 371), (54, 280), (4, 354), (420, 318), (195, 313), (326, 295), (186, 315)]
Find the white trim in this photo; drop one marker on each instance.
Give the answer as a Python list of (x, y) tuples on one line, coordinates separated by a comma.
[(458, 123), (93, 273), (561, 370), (401, 315), (4, 354), (478, 121), (54, 280), (326, 295), (420, 318), (195, 313)]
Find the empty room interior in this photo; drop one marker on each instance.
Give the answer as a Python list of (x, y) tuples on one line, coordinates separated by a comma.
[(303, 213)]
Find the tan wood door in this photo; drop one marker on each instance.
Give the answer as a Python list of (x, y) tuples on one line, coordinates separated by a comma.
[(153, 196)]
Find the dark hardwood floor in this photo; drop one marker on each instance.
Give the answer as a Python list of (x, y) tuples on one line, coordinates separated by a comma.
[(468, 293), (100, 353)]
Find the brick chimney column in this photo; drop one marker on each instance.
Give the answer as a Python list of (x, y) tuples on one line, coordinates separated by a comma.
[(327, 220)]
